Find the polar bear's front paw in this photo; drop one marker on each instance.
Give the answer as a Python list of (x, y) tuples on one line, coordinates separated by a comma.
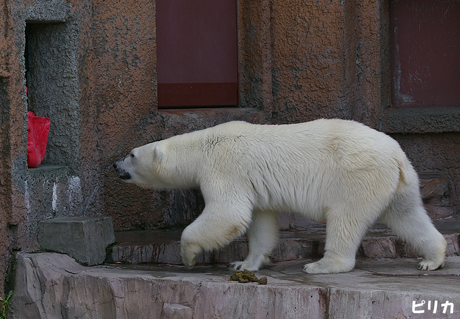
[(241, 265), (189, 259), (189, 252), (430, 265), (251, 263)]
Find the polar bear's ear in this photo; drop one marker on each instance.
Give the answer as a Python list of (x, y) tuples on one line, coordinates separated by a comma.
[(158, 153)]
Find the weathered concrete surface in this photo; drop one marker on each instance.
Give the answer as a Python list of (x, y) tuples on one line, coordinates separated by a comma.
[(164, 246), (53, 286), (83, 238)]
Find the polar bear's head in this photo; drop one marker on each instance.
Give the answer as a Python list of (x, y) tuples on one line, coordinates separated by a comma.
[(143, 167)]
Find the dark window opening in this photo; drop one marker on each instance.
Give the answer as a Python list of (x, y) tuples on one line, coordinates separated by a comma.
[(425, 53), (50, 62), (197, 53)]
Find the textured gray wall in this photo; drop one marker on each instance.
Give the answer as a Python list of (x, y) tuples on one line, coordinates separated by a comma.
[(50, 39)]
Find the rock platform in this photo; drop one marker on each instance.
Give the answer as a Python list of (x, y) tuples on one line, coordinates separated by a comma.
[(55, 286)]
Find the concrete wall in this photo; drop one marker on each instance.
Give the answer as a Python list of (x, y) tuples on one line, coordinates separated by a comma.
[(93, 73), (306, 60)]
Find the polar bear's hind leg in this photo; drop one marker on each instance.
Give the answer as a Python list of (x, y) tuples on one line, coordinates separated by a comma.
[(408, 219), (343, 237)]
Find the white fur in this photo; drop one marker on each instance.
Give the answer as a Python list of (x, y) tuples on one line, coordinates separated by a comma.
[(334, 171)]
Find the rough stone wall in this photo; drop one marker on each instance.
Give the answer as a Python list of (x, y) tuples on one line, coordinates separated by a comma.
[(304, 60), (255, 55), (330, 59), (435, 157), (12, 132), (4, 134), (119, 86), (309, 69)]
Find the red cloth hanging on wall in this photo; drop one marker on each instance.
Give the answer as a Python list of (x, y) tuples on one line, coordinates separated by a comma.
[(37, 128)]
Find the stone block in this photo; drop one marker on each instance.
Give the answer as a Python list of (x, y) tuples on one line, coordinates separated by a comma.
[(83, 238), (176, 311), (434, 189)]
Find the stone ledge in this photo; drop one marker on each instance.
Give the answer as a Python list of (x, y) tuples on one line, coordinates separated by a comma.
[(213, 111), (178, 121), (421, 120), (83, 238), (164, 247), (50, 285)]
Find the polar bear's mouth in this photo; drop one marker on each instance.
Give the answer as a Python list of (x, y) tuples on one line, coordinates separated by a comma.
[(121, 172), (125, 176)]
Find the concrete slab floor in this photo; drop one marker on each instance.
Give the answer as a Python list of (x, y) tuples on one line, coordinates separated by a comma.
[(383, 274), (393, 283)]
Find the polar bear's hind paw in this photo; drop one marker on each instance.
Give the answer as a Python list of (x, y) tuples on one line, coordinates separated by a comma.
[(329, 266), (430, 265)]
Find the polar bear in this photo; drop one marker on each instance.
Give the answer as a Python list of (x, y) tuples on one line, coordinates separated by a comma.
[(335, 171)]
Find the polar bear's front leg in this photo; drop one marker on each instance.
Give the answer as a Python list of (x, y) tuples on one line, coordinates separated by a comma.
[(217, 225), (262, 238)]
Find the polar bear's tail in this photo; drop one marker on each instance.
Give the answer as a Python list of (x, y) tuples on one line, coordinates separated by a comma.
[(407, 174)]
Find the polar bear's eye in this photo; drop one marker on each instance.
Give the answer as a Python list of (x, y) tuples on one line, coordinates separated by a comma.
[(132, 155)]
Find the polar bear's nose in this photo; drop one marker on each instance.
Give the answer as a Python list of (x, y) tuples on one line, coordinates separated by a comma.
[(121, 172)]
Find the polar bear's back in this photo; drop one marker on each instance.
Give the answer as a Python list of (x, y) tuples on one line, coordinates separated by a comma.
[(334, 139), (288, 166)]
